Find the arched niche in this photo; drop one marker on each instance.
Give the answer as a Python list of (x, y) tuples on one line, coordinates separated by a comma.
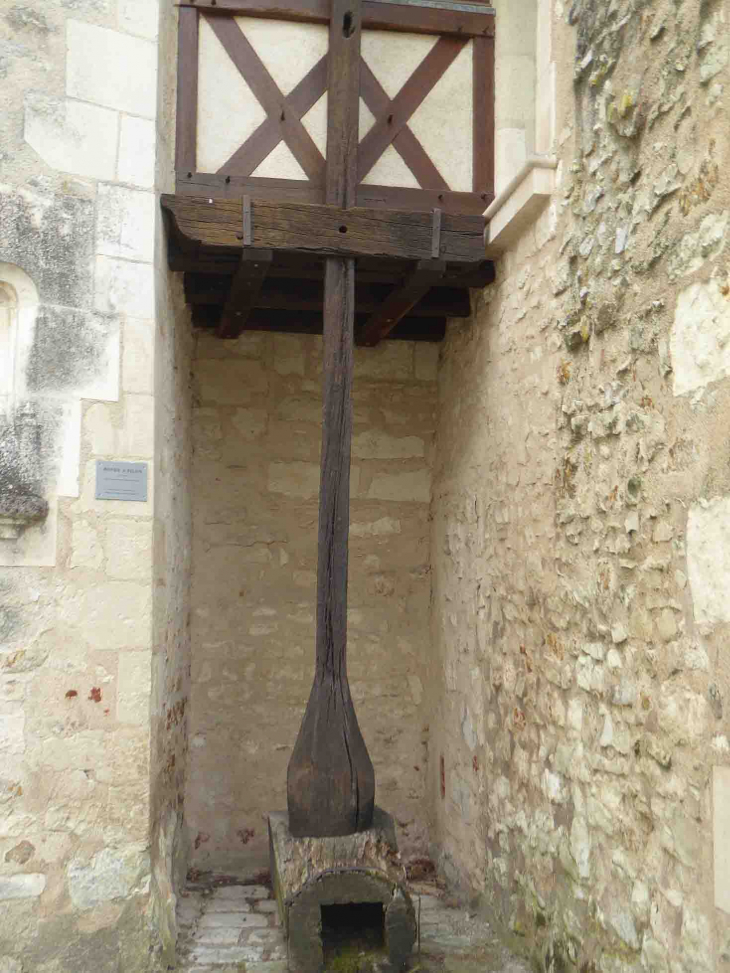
[(18, 308)]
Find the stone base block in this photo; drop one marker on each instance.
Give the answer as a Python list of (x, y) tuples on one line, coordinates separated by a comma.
[(310, 874)]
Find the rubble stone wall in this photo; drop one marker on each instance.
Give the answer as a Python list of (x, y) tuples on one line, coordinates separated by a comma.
[(257, 436), (579, 754)]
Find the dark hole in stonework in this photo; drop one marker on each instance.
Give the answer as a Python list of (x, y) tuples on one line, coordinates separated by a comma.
[(351, 930)]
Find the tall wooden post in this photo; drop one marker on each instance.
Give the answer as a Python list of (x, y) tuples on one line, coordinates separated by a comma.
[(330, 779)]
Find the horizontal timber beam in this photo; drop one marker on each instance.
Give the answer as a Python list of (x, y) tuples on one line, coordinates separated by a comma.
[(472, 20), (228, 185), (307, 295), (310, 322), (297, 266), (326, 230)]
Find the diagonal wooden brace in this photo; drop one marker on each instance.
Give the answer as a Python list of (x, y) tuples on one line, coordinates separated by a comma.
[(416, 285)]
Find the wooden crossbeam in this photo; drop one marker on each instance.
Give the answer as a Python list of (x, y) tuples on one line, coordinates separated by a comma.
[(405, 142), (266, 90), (328, 230), (400, 301), (244, 291), (273, 129), (395, 117), (462, 20)]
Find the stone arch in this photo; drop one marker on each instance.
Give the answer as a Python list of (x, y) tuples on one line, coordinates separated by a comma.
[(18, 308)]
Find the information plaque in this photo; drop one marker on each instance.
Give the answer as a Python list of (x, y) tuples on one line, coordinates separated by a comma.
[(121, 481)]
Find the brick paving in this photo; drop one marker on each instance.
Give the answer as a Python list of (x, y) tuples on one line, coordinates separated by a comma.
[(236, 929)]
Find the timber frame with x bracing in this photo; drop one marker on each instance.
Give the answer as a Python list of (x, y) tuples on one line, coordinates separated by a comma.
[(254, 248), (456, 25)]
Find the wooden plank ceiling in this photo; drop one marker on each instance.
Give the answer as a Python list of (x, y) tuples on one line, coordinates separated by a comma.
[(232, 287)]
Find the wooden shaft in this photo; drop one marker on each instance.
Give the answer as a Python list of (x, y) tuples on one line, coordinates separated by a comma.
[(343, 93), (334, 496), (330, 779)]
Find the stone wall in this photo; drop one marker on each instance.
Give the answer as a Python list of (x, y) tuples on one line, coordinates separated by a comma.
[(170, 688), (78, 216), (257, 429), (579, 756)]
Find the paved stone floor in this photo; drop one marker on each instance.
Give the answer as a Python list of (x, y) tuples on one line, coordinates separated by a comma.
[(235, 929)]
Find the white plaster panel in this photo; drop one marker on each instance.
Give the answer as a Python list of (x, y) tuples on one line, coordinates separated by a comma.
[(700, 339), (72, 136), (136, 163), (139, 17), (708, 560), (280, 164), (721, 835), (124, 287), (288, 50), (315, 122), (106, 67), (393, 57), (443, 122), (228, 111), (125, 224), (391, 170)]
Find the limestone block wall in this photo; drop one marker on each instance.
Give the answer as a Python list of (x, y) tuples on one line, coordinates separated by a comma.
[(579, 750), (257, 432), (77, 248)]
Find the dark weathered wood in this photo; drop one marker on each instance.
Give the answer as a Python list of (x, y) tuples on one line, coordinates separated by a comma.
[(483, 117), (244, 292), (327, 230), (330, 779), (436, 234), (376, 16), (221, 186), (299, 266), (400, 301), (250, 65), (308, 295), (405, 142), (270, 132), (408, 99), (187, 89), (247, 222), (411, 328)]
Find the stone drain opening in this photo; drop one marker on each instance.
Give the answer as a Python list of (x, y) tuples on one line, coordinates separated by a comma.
[(352, 929)]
